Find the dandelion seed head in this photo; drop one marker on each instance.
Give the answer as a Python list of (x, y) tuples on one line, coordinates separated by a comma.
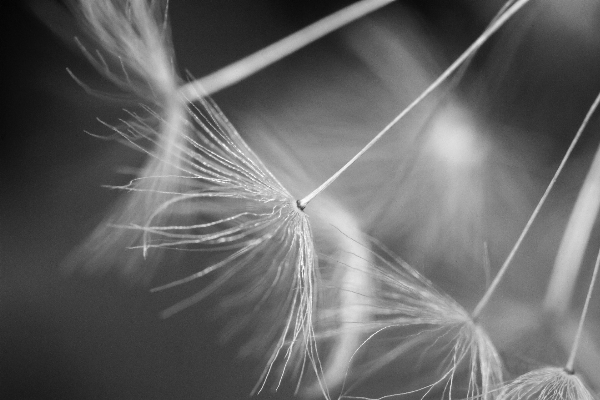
[(136, 54), (222, 201), (201, 190), (549, 383)]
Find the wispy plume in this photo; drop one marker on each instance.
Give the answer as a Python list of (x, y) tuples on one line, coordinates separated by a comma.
[(202, 189), (230, 206), (547, 384), (411, 316), (136, 54)]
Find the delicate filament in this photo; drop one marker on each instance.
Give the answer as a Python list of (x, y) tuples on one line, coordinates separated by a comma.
[(574, 241), (571, 362), (493, 27), (486, 297)]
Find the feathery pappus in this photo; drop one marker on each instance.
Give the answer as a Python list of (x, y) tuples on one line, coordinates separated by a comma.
[(408, 314), (202, 189), (550, 383)]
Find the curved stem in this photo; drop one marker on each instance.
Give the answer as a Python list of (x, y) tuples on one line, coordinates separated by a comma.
[(255, 62), (486, 297), (571, 362), (490, 30)]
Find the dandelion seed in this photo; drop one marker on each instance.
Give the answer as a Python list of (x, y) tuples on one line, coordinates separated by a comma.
[(203, 190), (443, 331), (328, 217), (546, 384), (225, 203)]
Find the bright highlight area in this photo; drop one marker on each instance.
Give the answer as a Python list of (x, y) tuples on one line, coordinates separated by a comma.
[(454, 139)]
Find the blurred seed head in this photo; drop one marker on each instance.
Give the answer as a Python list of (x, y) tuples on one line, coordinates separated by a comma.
[(546, 384)]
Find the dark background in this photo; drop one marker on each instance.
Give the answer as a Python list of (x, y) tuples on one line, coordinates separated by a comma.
[(83, 337)]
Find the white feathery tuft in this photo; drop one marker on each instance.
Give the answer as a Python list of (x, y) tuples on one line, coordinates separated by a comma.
[(223, 201), (548, 383), (136, 54), (202, 189), (405, 303)]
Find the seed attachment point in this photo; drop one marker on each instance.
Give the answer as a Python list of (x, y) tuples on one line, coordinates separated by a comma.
[(301, 205)]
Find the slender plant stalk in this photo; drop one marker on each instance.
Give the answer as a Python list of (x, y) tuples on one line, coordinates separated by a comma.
[(255, 62), (571, 361), (572, 247), (488, 294), (490, 30)]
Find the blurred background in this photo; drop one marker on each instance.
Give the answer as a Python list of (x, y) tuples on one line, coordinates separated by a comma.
[(520, 100)]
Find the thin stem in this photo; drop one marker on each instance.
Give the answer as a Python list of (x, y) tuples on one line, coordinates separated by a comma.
[(574, 241), (486, 297), (490, 30), (571, 362), (255, 62)]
